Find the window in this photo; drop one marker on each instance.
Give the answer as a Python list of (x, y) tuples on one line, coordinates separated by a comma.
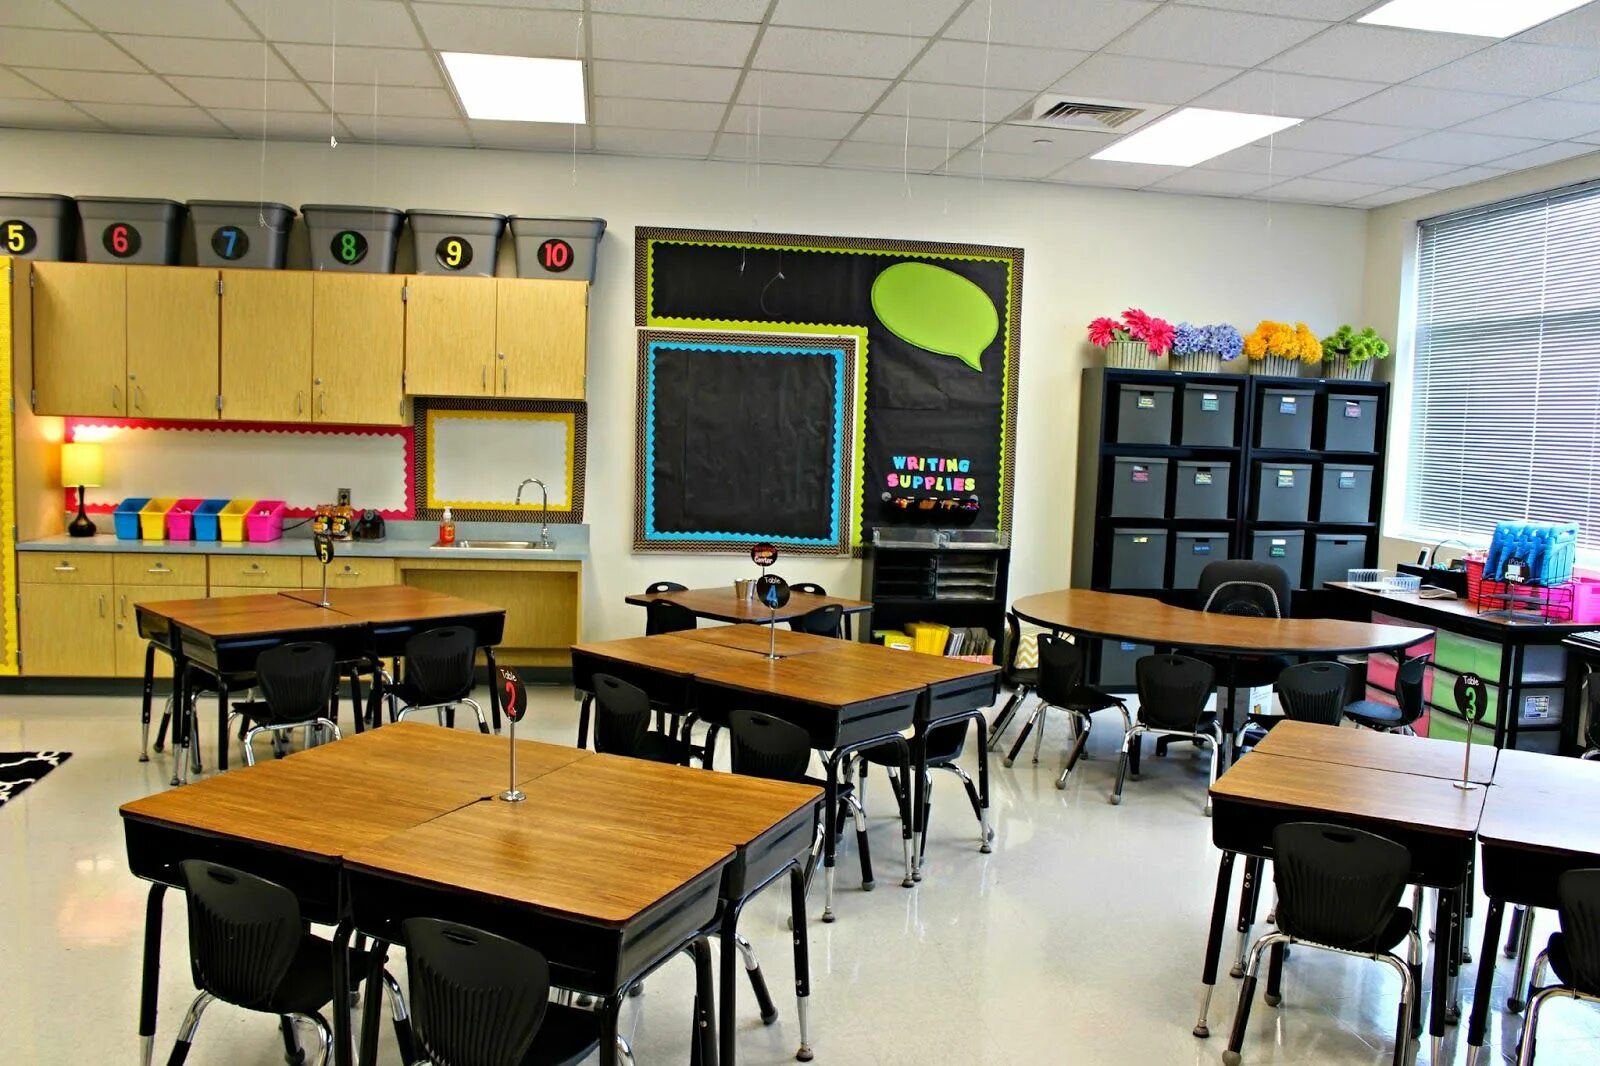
[(1505, 414)]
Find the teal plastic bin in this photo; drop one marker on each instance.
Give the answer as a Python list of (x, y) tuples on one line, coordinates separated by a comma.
[(205, 520), (126, 517)]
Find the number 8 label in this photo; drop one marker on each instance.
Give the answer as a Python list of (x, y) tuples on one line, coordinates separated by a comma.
[(453, 253), (20, 238), (349, 247)]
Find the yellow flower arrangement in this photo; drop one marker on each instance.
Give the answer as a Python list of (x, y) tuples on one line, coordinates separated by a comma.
[(1281, 340)]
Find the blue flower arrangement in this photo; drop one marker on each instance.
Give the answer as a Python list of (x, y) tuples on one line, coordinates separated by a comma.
[(1221, 339)]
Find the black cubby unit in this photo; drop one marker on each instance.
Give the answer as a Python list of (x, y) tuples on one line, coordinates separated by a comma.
[(953, 586)]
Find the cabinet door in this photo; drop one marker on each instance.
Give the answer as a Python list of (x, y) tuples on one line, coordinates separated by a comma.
[(450, 328), (172, 342), (358, 346), (129, 654), (542, 336), (67, 631), (266, 345), (80, 339)]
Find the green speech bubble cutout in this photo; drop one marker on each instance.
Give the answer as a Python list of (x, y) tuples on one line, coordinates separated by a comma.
[(936, 309)]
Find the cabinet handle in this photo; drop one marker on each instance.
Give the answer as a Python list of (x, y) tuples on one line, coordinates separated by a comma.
[(299, 401), (102, 605), (116, 397), (122, 607), (485, 377), (65, 568), (138, 397), (350, 573), (505, 378), (322, 403), (255, 568), (159, 568)]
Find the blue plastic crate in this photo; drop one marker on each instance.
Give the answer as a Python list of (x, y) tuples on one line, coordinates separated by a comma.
[(126, 517), (205, 520), (1549, 550)]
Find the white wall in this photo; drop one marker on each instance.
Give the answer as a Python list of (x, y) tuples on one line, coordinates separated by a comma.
[(1088, 252)]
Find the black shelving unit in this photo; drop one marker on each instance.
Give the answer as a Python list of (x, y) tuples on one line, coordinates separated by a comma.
[(952, 585)]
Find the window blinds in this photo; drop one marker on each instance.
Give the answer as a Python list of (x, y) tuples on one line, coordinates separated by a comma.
[(1505, 420)]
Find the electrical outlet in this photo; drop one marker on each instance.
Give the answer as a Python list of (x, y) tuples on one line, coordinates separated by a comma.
[(344, 497)]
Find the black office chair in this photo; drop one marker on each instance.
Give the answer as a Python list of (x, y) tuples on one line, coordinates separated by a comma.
[(1395, 717), (1021, 682), (622, 724), (249, 947), (824, 621), (810, 588), (1312, 692), (478, 999), (1250, 588), (1573, 954), (655, 588), (1338, 890), (1173, 691), (297, 682), (436, 675), (1061, 685), (664, 616), (946, 743)]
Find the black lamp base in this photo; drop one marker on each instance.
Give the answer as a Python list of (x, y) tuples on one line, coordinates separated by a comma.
[(80, 526)]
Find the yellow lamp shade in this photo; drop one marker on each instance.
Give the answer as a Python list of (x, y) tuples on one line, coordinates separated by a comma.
[(82, 464)]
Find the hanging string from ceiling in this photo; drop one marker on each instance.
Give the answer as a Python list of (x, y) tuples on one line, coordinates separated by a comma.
[(577, 53)]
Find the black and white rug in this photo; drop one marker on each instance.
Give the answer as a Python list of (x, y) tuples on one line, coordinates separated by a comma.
[(19, 769)]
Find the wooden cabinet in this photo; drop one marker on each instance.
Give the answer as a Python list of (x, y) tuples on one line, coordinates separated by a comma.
[(349, 573), (358, 345), (258, 573), (266, 345), (510, 337), (172, 342), (450, 336), (541, 333), (80, 339), (542, 599), (67, 630), (128, 657)]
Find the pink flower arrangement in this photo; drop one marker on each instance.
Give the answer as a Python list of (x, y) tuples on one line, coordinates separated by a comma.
[(1135, 325)]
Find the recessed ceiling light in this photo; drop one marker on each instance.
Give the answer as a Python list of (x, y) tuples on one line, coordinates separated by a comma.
[(1192, 136), (517, 88), (1476, 18)]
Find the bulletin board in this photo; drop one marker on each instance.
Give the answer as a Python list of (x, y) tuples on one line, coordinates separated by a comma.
[(938, 359), (475, 453)]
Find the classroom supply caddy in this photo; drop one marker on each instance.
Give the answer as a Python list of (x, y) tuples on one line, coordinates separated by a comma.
[(205, 520), (125, 519), (265, 521), (153, 518), (230, 520), (180, 520)]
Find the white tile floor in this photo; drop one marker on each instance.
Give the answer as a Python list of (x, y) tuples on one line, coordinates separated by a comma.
[(1078, 940)]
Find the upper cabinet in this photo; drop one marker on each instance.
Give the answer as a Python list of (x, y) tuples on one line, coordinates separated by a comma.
[(266, 346), (80, 339), (358, 348), (172, 342), (542, 333), (450, 345), (506, 337)]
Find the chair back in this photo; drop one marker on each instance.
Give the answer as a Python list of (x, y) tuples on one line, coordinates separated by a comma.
[(243, 932), (1060, 670), (1337, 887), (1408, 689), (763, 746), (1173, 690), (297, 681), (1244, 586), (1578, 892), (1315, 692), (1008, 664), (810, 588), (657, 587), (825, 621), (664, 616), (476, 999), (439, 663), (947, 742), (1591, 710), (621, 716)]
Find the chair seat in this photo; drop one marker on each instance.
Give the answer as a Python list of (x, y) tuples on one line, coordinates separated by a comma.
[(566, 1037), (1561, 964), (1249, 671), (1025, 678), (658, 747), (411, 696), (307, 986), (1373, 714), (1392, 934), (1089, 698)]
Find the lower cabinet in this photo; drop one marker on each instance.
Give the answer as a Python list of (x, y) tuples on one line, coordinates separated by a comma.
[(67, 630), (129, 658), (541, 598)]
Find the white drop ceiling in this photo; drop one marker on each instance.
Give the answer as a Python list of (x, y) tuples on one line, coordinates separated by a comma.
[(924, 85)]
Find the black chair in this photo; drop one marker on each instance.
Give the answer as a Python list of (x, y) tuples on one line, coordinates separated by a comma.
[(1573, 954), (657, 587), (1021, 682), (945, 745), (478, 999), (1313, 692), (1061, 685), (1591, 709), (1173, 691), (1392, 717), (622, 724), (437, 674), (664, 616), (1338, 890), (1250, 588), (825, 621), (810, 588), (297, 684), (249, 947)]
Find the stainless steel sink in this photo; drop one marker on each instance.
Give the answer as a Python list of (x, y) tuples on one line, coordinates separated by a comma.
[(496, 545)]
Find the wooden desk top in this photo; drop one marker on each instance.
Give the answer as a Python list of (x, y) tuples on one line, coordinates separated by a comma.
[(1543, 803), (754, 638), (1377, 751), (905, 665), (666, 653), (1143, 620), (393, 603), (827, 679), (1419, 803), (723, 605), (234, 616), (1454, 610), (534, 853)]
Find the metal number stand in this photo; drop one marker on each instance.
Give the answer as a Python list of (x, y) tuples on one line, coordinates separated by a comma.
[(514, 703), (1471, 698)]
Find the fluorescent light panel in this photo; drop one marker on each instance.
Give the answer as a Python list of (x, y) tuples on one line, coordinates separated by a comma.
[(517, 88), (1193, 135), (1475, 18)]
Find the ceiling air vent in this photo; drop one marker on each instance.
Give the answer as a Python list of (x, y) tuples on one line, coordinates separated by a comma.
[(1094, 116)]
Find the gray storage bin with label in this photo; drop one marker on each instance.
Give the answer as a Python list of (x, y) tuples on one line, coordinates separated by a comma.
[(1138, 558), (1334, 556), (1282, 547), (360, 240), (1138, 487), (462, 243), (1203, 490), (1209, 415), (38, 226), (563, 248), (1346, 494), (1191, 552), (1285, 419), (1352, 424), (241, 233), (119, 230), (1118, 663), (1283, 492), (1144, 414)]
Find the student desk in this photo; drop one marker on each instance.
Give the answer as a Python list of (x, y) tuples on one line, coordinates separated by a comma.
[(760, 639), (725, 605), (664, 667), (1377, 751)]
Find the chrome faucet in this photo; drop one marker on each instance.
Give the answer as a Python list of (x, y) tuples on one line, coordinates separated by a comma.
[(544, 511)]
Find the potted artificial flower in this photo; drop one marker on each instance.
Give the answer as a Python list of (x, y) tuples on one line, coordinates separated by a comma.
[(1349, 355), (1203, 349), (1278, 349), (1137, 341)]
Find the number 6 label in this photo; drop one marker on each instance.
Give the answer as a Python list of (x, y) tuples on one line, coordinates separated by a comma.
[(19, 237), (121, 240)]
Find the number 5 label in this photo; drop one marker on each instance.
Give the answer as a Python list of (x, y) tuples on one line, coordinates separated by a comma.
[(20, 239)]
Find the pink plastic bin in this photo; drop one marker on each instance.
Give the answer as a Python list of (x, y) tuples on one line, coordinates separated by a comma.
[(180, 520), (1586, 599), (264, 521)]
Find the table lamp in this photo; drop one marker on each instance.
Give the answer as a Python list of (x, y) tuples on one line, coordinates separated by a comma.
[(81, 466)]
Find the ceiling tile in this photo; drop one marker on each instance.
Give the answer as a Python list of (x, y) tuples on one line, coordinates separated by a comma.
[(720, 10), (1148, 81), (1585, 91), (1374, 53), (875, 156), (530, 136), (973, 163), (1318, 190), (81, 85), (1518, 69), (771, 88), (176, 18), (565, 5), (739, 147), (16, 87), (1380, 171), (279, 125), (829, 52), (45, 114), (1266, 92), (1061, 145), (1212, 183), (657, 114), (220, 59), (1333, 10), (394, 101), (1465, 149), (248, 95), (1414, 105), (407, 130), (63, 51), (1389, 196), (1552, 119), (1229, 38), (500, 30), (364, 66), (693, 143), (373, 22), (1050, 25), (953, 101), (920, 19), (711, 44), (137, 118), (1355, 138), (1002, 66), (1273, 164), (660, 81), (926, 132), (1465, 176), (791, 122), (1575, 29), (1550, 153), (39, 14), (1105, 172)]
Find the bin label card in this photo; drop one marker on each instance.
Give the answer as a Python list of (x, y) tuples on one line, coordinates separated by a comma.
[(1279, 549), (1202, 477), (230, 243), (454, 253), (1141, 540), (1210, 402), (1536, 706), (1202, 547), (19, 236), (1147, 401), (1286, 479), (1141, 474), (121, 240), (1288, 405), (348, 246), (1352, 410), (1347, 479)]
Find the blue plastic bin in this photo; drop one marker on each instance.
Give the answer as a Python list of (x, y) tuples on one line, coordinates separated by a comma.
[(205, 520), (126, 517), (1549, 550)]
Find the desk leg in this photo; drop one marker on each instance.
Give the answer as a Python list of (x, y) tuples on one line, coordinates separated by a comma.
[(1249, 899), (355, 699), (705, 1004), (373, 711), (341, 983), (1458, 939), (222, 723), (372, 1000), (830, 832), (149, 696), (802, 956), (583, 720), (919, 794), (983, 783), (494, 688), (1219, 919), (1485, 986), (180, 718), (1515, 1001), (150, 981), (610, 1008), (729, 978), (1442, 931)]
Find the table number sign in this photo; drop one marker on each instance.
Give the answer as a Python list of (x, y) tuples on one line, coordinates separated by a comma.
[(324, 546), (773, 591), (1472, 700), (514, 702)]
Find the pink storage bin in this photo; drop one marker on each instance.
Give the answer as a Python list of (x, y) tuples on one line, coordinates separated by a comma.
[(264, 521), (1381, 670), (1586, 599), (180, 520)]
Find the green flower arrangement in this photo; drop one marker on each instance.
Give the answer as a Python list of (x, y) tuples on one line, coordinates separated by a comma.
[(1354, 348)]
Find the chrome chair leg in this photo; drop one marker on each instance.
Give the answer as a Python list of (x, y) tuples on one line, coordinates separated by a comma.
[(1027, 727), (758, 983), (1520, 989), (324, 1036), (1247, 995), (186, 1031), (858, 815), (624, 1050), (1215, 740), (1530, 1024), (1038, 738), (1129, 739), (1408, 994), (483, 723)]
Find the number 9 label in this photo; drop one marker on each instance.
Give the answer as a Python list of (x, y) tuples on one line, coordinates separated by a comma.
[(454, 253), (121, 240), (349, 247), (19, 237)]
